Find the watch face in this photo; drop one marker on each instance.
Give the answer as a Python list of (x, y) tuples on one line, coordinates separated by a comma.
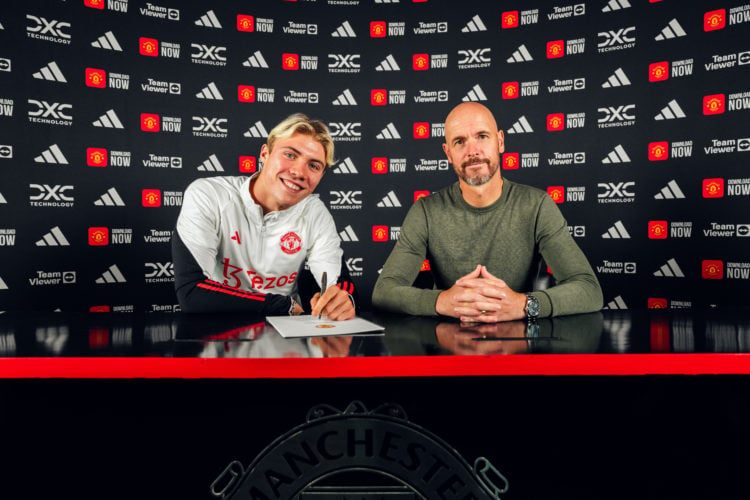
[(532, 307)]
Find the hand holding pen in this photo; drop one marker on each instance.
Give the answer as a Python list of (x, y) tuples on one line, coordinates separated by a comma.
[(323, 288), (332, 302)]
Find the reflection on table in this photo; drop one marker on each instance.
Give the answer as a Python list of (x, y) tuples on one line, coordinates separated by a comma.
[(236, 336)]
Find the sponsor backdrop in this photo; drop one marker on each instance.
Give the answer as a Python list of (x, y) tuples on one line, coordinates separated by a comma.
[(631, 114)]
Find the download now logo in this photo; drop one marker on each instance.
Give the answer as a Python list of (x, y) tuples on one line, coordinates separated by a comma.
[(557, 193), (510, 90), (150, 122), (420, 194), (421, 130), (379, 233), (658, 151), (658, 71), (713, 188), (712, 269), (377, 29), (96, 157), (420, 62), (246, 93), (511, 161), (657, 303), (149, 46), (714, 20), (248, 164), (96, 78), (555, 49), (245, 23), (151, 197), (714, 104), (378, 97), (657, 229), (509, 19), (94, 4), (555, 122), (380, 165), (98, 236), (290, 62)]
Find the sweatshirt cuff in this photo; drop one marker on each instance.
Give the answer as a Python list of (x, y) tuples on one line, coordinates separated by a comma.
[(545, 303)]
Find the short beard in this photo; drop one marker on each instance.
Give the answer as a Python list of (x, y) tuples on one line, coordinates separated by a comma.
[(477, 180)]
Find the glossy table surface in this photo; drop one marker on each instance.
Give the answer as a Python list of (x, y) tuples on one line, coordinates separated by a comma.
[(157, 345), (649, 404)]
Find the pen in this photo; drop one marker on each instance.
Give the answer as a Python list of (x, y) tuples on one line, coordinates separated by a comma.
[(323, 284)]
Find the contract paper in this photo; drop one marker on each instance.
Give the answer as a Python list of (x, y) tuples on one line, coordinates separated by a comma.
[(310, 326)]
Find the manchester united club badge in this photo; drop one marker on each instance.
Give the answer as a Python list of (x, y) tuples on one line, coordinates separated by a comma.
[(291, 243)]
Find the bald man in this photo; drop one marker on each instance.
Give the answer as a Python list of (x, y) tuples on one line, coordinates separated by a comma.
[(486, 239)]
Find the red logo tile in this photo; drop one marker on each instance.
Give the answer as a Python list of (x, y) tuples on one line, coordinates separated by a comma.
[(380, 233), (713, 188), (245, 23), (511, 161), (712, 269), (149, 46), (378, 97), (658, 151), (555, 122), (151, 198), (150, 122), (714, 104), (509, 19), (98, 236), (714, 20), (657, 229), (378, 29), (380, 165), (557, 193), (510, 90), (248, 164), (290, 61), (96, 157), (555, 49), (658, 71), (246, 93)]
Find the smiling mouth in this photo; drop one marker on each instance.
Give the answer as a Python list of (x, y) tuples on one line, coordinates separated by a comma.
[(290, 185)]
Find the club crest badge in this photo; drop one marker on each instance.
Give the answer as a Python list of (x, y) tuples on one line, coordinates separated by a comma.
[(291, 243), (359, 453)]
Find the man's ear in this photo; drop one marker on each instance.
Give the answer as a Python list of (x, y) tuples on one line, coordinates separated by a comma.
[(501, 141), (263, 154), (447, 154)]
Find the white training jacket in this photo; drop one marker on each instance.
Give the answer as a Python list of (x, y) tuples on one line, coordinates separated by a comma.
[(239, 248)]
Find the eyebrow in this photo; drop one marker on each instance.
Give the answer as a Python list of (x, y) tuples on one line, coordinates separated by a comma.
[(483, 131), (299, 153)]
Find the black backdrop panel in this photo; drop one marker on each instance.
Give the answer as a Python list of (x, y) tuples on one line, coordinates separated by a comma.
[(631, 113)]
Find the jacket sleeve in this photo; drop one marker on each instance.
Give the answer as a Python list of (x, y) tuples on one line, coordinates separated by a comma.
[(198, 294), (309, 286)]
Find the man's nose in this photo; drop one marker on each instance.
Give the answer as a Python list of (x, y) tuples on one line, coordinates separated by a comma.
[(297, 169), (472, 147)]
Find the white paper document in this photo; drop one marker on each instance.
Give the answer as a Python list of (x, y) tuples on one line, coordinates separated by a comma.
[(310, 326)]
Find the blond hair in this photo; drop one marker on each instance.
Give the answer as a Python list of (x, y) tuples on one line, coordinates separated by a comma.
[(300, 123)]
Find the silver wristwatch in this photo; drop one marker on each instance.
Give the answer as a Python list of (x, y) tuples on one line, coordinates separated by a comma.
[(532, 307)]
